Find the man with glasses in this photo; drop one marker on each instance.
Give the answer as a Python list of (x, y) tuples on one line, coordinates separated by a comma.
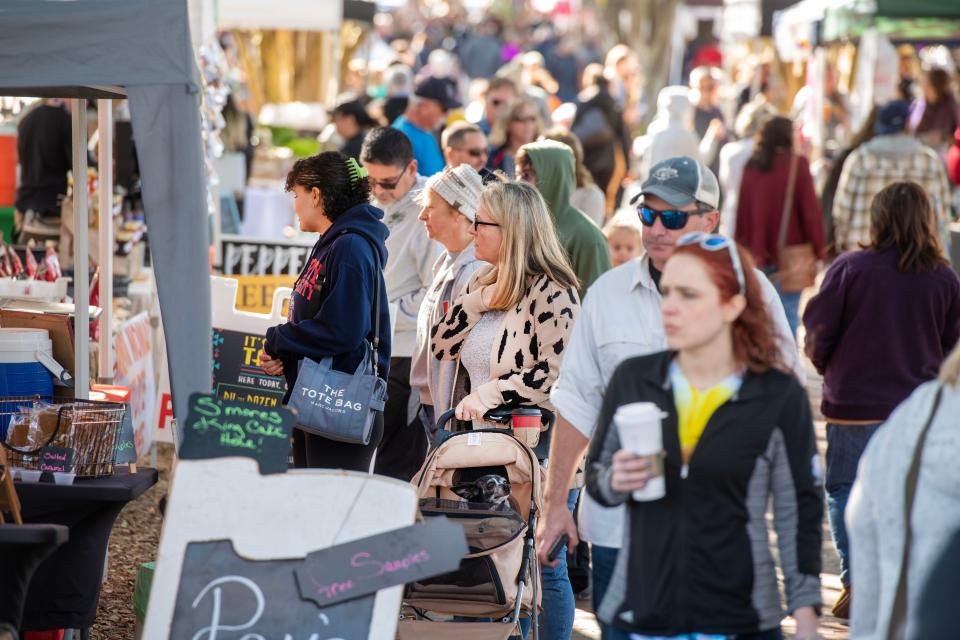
[(500, 92), (619, 319), (464, 143), (387, 155), (426, 111)]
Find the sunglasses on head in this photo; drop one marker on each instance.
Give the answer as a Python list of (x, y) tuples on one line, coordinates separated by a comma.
[(672, 219), (714, 242)]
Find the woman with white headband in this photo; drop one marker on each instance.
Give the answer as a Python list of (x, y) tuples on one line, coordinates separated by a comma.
[(450, 200)]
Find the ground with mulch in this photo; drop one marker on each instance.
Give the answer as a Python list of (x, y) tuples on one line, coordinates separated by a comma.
[(135, 539)]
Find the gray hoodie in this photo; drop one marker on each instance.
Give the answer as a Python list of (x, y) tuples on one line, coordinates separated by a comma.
[(409, 270), (875, 511)]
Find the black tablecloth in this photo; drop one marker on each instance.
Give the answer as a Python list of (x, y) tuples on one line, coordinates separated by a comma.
[(66, 588), (22, 548)]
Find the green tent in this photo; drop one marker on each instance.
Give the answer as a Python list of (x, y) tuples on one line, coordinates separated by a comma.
[(929, 20)]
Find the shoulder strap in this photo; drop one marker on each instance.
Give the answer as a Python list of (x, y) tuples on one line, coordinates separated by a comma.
[(788, 202), (898, 614), (376, 298)]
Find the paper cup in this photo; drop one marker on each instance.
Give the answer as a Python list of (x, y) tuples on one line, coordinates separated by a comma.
[(30, 475), (639, 427), (526, 426), (63, 477)]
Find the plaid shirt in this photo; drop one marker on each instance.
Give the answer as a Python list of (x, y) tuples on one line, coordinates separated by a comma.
[(873, 166)]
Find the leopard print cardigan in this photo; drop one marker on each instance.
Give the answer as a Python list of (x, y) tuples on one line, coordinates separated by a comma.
[(525, 363)]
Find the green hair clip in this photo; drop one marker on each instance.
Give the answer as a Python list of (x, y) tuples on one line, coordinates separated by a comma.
[(357, 173)]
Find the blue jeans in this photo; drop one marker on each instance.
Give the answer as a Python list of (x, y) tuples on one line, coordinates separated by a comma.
[(602, 561), (791, 307), (772, 634), (790, 301), (559, 606), (845, 445)]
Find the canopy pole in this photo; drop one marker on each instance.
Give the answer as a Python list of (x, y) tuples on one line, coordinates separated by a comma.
[(81, 263), (105, 165)]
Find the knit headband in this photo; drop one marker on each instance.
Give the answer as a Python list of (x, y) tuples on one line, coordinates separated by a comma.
[(460, 188)]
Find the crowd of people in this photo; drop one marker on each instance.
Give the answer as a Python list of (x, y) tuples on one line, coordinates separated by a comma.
[(538, 256)]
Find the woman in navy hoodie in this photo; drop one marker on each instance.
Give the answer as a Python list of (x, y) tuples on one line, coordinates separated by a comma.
[(882, 324), (331, 311)]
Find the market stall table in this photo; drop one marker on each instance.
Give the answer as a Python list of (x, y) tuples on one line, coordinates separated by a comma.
[(22, 548), (65, 589)]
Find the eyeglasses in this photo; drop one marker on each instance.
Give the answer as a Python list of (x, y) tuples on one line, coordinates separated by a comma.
[(477, 224), (524, 119), (474, 153), (672, 219), (714, 242), (388, 185)]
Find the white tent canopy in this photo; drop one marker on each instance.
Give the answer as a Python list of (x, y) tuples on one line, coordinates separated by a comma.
[(82, 48)]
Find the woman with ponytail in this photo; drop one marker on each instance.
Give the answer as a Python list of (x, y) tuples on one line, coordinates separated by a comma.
[(737, 431), (331, 310)]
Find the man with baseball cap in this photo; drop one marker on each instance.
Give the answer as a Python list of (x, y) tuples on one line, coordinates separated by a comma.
[(619, 319), (426, 111), (892, 156)]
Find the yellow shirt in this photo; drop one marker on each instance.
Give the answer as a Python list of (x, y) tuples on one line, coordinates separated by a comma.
[(695, 407)]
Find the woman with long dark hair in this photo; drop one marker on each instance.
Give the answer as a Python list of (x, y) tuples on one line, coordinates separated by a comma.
[(937, 115), (881, 325), (737, 431), (332, 308), (774, 174)]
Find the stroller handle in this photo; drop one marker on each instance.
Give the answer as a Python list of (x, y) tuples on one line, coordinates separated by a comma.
[(501, 415)]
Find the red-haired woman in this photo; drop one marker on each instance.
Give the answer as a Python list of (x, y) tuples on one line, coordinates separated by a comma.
[(736, 430)]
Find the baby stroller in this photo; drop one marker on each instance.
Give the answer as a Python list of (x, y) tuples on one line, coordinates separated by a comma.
[(499, 578)]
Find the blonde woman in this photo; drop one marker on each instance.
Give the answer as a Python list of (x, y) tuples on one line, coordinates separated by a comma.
[(510, 326), (519, 124), (509, 329)]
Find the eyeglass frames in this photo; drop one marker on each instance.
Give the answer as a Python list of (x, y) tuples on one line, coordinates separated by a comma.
[(478, 223), (714, 242), (388, 185)]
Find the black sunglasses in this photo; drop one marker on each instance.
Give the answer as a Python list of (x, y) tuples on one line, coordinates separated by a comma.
[(476, 153), (388, 185), (672, 219), (477, 224)]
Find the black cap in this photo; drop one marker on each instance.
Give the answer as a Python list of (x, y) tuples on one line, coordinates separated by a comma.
[(443, 90), (356, 109)]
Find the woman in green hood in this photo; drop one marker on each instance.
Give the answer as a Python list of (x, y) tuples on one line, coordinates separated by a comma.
[(549, 166)]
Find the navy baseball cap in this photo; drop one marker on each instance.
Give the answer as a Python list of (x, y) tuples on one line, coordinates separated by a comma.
[(443, 90), (892, 118), (681, 181)]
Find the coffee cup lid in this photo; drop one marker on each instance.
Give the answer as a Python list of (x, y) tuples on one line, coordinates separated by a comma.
[(526, 411)]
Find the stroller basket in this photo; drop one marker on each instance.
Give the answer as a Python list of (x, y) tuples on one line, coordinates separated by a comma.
[(493, 536), (486, 528)]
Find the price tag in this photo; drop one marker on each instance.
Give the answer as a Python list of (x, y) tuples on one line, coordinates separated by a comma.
[(473, 439)]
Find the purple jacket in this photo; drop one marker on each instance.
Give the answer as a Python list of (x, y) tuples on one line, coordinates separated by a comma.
[(876, 334)]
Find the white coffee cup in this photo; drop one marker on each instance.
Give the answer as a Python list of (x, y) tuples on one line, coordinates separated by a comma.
[(639, 427)]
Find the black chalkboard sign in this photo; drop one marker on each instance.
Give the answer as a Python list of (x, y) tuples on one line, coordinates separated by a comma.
[(56, 459), (126, 449), (226, 596), (216, 429), (398, 557), (237, 376)]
